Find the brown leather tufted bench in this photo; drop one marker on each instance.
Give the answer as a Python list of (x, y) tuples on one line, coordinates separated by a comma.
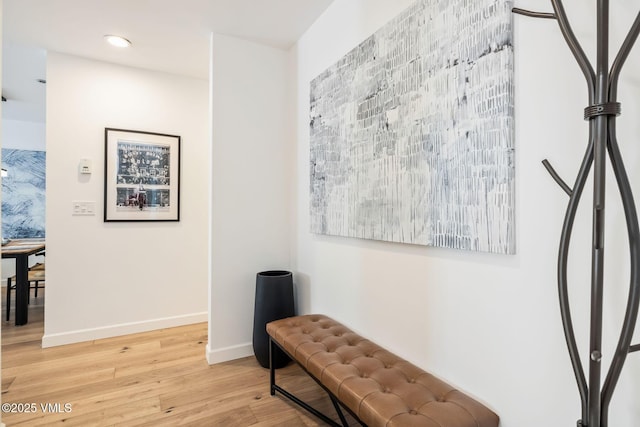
[(377, 387)]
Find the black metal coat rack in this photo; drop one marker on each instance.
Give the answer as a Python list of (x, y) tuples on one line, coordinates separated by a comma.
[(601, 113)]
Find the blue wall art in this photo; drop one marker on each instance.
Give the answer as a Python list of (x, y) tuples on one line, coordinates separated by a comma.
[(23, 194), (412, 132)]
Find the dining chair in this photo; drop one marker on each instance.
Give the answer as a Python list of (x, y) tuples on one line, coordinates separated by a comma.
[(35, 278)]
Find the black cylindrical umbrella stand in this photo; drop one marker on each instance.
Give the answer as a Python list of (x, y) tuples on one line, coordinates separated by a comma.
[(274, 300)]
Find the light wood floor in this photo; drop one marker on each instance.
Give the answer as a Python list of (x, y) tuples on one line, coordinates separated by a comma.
[(159, 378)]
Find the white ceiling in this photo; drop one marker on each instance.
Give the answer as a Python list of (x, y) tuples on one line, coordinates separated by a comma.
[(167, 35)]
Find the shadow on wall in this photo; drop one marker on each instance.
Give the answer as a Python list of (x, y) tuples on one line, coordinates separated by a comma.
[(302, 292)]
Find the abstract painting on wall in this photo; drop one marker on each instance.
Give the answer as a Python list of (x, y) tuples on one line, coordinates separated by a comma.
[(412, 132), (23, 194)]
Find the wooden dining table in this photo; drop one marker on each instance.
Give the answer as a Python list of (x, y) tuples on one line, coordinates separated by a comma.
[(20, 249)]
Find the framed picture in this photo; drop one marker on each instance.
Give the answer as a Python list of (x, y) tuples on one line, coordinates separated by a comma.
[(142, 176)]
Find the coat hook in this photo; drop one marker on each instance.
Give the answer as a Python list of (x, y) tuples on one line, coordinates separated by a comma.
[(556, 177), (534, 14)]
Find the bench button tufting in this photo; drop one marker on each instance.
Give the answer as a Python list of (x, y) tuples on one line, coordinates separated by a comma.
[(339, 363), (334, 357)]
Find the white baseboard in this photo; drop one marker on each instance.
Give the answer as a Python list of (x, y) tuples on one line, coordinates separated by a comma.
[(226, 354), (52, 340)]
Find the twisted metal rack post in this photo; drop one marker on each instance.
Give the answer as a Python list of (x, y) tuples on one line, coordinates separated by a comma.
[(601, 113)]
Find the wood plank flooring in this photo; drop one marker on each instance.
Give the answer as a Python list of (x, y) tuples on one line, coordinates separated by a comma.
[(158, 378)]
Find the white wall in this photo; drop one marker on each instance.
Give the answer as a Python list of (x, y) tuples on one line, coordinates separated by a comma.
[(251, 202), (23, 135), (106, 279), (488, 324)]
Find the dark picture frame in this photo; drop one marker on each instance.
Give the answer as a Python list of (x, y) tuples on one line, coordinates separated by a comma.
[(141, 176)]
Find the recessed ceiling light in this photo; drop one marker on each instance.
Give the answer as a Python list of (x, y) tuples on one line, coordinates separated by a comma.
[(117, 41)]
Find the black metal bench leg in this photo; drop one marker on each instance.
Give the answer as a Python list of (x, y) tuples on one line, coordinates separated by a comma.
[(272, 371), (274, 387), (336, 405)]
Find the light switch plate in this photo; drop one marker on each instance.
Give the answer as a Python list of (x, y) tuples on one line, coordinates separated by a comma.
[(83, 208)]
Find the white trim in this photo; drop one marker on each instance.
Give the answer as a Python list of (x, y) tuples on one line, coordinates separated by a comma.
[(52, 340), (228, 353)]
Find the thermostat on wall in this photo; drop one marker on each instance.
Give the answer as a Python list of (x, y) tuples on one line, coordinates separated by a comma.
[(85, 167)]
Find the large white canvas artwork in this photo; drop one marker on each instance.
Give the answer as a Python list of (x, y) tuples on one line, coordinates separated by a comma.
[(23, 194), (412, 132)]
